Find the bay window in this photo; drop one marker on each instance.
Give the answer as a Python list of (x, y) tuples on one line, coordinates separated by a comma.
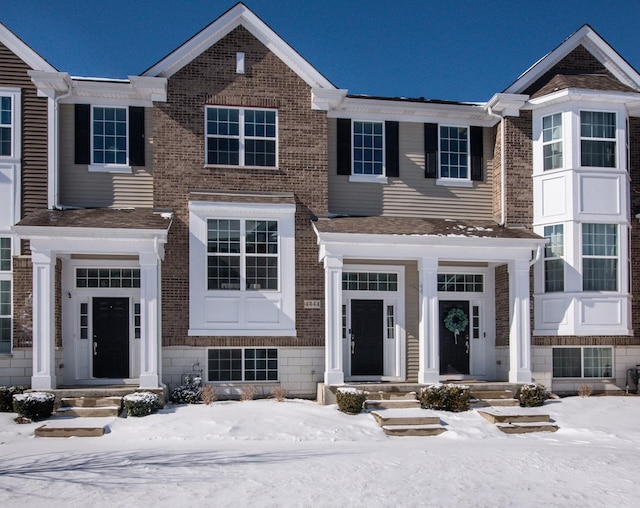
[(553, 258), (552, 141), (599, 257), (598, 139)]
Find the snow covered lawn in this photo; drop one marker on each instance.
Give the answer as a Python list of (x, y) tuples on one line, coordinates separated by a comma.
[(297, 453)]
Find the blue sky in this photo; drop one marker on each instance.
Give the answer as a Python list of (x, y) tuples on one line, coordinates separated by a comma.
[(463, 50)]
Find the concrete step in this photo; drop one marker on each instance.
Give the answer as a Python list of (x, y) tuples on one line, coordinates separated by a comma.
[(405, 417), (413, 430), (90, 401), (497, 416), (93, 412), (524, 428), (494, 403), (391, 404), (382, 395), (492, 394), (47, 431)]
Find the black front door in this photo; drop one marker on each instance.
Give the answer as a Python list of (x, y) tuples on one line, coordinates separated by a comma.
[(454, 349), (111, 337), (367, 338)]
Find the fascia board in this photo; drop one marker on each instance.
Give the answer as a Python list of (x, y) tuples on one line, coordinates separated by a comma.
[(581, 95), (372, 109), (24, 52), (237, 16), (92, 234), (135, 91)]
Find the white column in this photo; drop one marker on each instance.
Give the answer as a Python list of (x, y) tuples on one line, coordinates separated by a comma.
[(333, 370), (150, 324), (519, 323), (429, 370), (44, 350)]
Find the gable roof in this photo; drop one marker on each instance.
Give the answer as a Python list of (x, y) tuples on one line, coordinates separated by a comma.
[(239, 15), (592, 42), (24, 52)]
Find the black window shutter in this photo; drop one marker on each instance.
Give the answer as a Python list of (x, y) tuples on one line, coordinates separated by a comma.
[(475, 139), (136, 136), (392, 151), (82, 133), (431, 150), (344, 146)]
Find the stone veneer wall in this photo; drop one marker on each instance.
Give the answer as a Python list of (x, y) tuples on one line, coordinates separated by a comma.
[(179, 168)]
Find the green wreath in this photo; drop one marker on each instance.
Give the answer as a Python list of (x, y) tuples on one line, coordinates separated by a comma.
[(456, 321)]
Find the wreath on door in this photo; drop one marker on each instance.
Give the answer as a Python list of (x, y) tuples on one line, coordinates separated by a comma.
[(456, 321)]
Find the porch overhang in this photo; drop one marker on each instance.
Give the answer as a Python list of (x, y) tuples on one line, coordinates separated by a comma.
[(427, 242), (55, 234)]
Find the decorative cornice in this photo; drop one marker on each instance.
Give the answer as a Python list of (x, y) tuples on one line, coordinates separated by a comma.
[(325, 99), (507, 104)]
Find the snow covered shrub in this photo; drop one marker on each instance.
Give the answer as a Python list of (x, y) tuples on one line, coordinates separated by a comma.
[(446, 397), (34, 405), (186, 395), (532, 395), (209, 394), (6, 397), (585, 390), (141, 403), (278, 393), (350, 400), (248, 392)]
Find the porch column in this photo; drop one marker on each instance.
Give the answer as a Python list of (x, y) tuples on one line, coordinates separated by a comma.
[(519, 324), (150, 321), (333, 369), (44, 349), (429, 347)]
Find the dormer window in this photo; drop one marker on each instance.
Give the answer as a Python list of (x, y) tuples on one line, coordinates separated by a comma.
[(597, 139)]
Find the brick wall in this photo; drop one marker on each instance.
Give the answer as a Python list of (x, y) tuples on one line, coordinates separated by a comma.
[(518, 146), (178, 140), (22, 302)]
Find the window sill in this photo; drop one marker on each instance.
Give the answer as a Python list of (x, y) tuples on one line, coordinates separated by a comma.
[(379, 179), (109, 168), (237, 166), (452, 182)]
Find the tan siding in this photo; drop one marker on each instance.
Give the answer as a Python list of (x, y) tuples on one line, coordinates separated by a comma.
[(79, 187), (411, 194), (13, 74)]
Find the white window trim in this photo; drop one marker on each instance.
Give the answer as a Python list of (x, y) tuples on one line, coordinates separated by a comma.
[(108, 168), (16, 124), (238, 320), (591, 256), (241, 138), (617, 139), (582, 376), (362, 178), (553, 141), (447, 180)]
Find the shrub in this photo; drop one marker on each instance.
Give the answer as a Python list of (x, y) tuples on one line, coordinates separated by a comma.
[(34, 405), (141, 403), (186, 395), (585, 390), (278, 393), (445, 397), (350, 400), (248, 392), (6, 397), (209, 394), (532, 395)]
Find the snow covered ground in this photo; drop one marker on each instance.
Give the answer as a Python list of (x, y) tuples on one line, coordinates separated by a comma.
[(297, 453)]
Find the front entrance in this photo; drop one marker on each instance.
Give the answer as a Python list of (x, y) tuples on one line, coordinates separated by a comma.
[(367, 338), (454, 347), (110, 351)]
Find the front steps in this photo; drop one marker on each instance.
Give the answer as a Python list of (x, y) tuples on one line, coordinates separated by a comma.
[(409, 422), (91, 407), (512, 421)]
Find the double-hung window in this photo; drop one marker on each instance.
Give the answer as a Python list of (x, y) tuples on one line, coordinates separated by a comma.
[(109, 136), (242, 254), (6, 126), (552, 141), (454, 152), (368, 148), (241, 137), (600, 257), (553, 258), (598, 139), (5, 295)]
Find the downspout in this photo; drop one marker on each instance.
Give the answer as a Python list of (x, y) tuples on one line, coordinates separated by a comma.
[(503, 172)]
